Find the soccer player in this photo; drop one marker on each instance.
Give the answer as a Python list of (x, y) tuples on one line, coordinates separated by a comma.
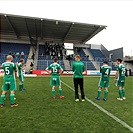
[(78, 69), (21, 75), (55, 70), (104, 80), (120, 79), (10, 73)]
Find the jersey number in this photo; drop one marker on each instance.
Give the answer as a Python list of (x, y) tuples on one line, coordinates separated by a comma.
[(54, 69), (7, 71), (123, 71), (107, 72)]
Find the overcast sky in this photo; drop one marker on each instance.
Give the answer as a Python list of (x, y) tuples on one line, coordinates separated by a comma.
[(116, 15)]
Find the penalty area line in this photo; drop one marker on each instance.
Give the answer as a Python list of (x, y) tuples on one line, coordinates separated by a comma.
[(103, 110)]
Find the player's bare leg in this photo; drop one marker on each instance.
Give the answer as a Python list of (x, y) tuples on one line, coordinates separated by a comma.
[(2, 99), (60, 91), (12, 96)]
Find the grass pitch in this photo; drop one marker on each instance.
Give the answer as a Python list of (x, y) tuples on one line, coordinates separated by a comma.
[(39, 113)]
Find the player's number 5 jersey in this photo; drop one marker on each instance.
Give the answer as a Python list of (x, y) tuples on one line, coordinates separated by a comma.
[(9, 68)]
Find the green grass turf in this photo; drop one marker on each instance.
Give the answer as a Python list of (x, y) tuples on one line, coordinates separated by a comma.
[(39, 113)]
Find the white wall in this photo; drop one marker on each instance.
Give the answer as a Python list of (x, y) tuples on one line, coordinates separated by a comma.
[(82, 45), (96, 46)]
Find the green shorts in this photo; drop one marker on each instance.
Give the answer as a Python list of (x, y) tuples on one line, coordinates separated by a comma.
[(103, 84), (21, 78), (120, 83), (9, 84), (55, 81)]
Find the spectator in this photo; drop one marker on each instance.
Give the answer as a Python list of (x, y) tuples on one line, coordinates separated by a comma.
[(31, 64), (17, 55), (33, 56), (10, 53), (22, 54), (31, 67)]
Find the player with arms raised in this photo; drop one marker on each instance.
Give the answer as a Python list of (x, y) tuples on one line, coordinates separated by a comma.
[(10, 73), (55, 70), (104, 80), (120, 79)]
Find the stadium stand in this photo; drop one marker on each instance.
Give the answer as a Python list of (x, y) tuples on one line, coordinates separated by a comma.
[(54, 35), (49, 51), (99, 57), (42, 64), (97, 54), (81, 53), (46, 55), (15, 50), (88, 64)]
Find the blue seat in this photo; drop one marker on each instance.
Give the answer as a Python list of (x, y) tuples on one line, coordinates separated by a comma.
[(6, 48), (43, 64)]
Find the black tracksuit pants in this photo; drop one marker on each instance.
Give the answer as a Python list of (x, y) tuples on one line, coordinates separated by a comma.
[(80, 82)]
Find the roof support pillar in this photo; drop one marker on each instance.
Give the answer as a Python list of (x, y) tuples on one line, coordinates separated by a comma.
[(41, 27), (68, 31), (12, 26)]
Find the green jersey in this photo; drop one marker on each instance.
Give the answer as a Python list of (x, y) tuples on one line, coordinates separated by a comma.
[(9, 76), (121, 69), (9, 69), (78, 69), (55, 67), (20, 72), (105, 72)]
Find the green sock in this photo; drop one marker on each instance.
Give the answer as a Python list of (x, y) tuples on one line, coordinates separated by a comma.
[(120, 93), (60, 91), (105, 93), (20, 87), (99, 92), (53, 92), (12, 98), (2, 99), (123, 92)]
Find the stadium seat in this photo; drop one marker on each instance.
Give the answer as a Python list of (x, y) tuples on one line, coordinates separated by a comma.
[(14, 48)]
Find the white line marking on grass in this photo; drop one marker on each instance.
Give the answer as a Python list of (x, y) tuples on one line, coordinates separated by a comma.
[(103, 110)]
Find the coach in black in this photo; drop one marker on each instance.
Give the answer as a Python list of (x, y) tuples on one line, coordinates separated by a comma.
[(78, 69)]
